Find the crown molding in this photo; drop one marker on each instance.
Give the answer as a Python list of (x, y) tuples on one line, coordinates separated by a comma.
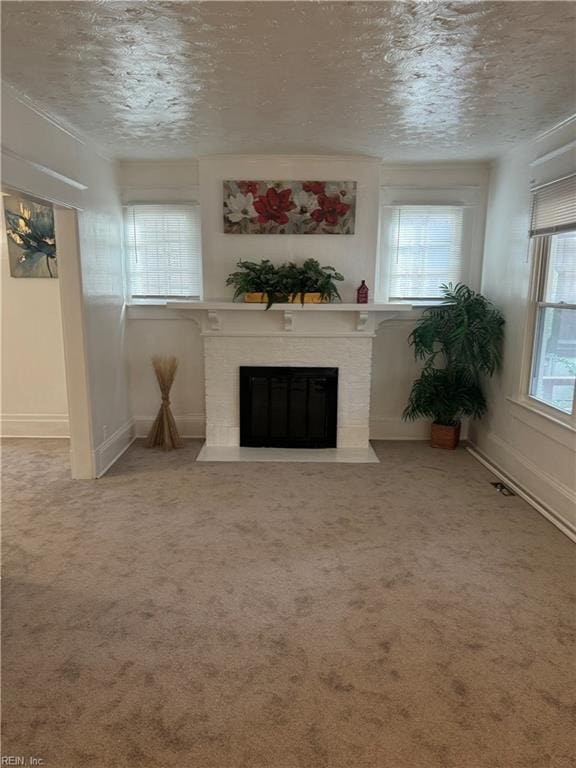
[(556, 127), (45, 169), (123, 162), (447, 165), (27, 102), (554, 153), (61, 125), (368, 159)]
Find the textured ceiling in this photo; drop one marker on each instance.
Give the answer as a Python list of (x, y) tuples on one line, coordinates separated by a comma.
[(402, 80)]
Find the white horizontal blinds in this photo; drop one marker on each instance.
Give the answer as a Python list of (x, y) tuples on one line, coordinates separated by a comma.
[(164, 256), (554, 207), (425, 250)]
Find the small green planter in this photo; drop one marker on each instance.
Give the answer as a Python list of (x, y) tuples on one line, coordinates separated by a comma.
[(284, 282)]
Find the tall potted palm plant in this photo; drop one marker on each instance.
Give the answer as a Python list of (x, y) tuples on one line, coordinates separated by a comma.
[(459, 341)]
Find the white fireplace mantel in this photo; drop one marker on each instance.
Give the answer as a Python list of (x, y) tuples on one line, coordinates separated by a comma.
[(312, 320), (325, 335), (332, 307)]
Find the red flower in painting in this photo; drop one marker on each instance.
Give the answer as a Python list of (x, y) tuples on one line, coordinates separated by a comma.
[(273, 206), (315, 187), (330, 210), (248, 186)]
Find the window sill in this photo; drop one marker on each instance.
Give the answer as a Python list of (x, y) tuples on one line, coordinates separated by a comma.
[(533, 414), (159, 302), (146, 303)]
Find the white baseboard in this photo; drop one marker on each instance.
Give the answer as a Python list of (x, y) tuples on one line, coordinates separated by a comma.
[(395, 428), (34, 425), (194, 425), (191, 425), (555, 501), (108, 452)]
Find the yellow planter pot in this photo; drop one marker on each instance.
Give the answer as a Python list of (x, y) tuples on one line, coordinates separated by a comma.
[(262, 298), (255, 298), (309, 298)]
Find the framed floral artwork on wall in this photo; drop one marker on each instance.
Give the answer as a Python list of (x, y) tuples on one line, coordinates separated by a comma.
[(289, 207), (31, 238)]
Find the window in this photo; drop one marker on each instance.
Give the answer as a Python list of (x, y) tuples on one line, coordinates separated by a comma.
[(422, 248), (163, 251), (553, 229)]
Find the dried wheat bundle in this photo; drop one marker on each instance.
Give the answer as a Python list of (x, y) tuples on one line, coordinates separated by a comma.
[(163, 433)]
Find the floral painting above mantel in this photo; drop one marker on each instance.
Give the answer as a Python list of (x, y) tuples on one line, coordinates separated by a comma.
[(289, 207)]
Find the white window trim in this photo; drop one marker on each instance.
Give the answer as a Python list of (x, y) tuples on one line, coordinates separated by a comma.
[(129, 300), (523, 397), (552, 415), (468, 197)]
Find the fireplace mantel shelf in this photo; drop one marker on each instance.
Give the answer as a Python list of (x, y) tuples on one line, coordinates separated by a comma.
[(363, 312), (220, 306), (215, 317)]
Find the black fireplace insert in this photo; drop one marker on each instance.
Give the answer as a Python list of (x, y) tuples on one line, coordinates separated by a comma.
[(288, 407)]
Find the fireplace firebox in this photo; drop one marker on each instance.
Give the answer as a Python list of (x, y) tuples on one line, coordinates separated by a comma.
[(288, 407)]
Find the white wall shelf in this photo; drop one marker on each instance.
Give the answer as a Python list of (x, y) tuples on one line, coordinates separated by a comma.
[(216, 316), (220, 306)]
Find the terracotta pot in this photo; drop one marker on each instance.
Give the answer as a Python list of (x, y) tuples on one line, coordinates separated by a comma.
[(444, 437), (262, 298)]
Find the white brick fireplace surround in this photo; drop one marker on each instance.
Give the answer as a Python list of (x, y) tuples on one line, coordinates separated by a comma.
[(224, 355), (334, 335)]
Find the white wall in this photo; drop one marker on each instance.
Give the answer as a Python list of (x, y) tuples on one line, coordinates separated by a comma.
[(157, 330), (33, 376), (353, 255), (158, 180), (533, 450), (394, 368), (100, 228), (48, 161)]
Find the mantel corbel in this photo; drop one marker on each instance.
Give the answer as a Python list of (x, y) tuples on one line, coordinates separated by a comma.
[(362, 320), (212, 316), (385, 317), (288, 320), (214, 320)]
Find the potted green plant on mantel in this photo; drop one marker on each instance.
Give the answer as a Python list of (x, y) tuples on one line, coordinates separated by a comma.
[(264, 282), (459, 341)]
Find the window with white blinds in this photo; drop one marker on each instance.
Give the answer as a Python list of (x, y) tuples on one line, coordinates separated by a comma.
[(163, 251), (424, 250), (554, 206), (553, 230)]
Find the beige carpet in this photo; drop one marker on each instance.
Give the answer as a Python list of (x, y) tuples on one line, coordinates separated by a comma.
[(282, 615)]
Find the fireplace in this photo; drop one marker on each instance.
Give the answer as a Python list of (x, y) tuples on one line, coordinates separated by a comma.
[(288, 407), (243, 336), (294, 339)]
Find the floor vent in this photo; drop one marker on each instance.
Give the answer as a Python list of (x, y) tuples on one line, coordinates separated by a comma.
[(503, 489)]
